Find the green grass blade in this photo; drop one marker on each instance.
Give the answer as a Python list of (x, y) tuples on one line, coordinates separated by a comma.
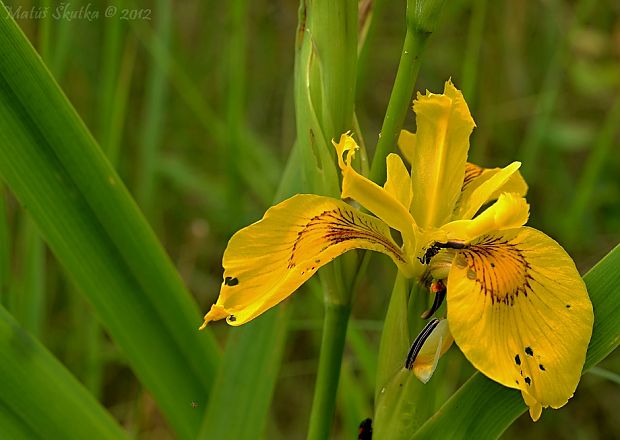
[(484, 409), (27, 298), (151, 139), (40, 398), (260, 167), (245, 384), (56, 170), (5, 247), (238, 408)]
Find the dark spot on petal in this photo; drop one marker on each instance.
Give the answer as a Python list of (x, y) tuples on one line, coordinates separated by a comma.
[(232, 318), (231, 281), (517, 360), (568, 306), (529, 351), (317, 261), (313, 267), (493, 265), (528, 381), (542, 367), (517, 382)]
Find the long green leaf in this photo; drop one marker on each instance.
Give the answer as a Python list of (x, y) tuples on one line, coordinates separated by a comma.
[(5, 247), (40, 398), (56, 170), (484, 409), (238, 407), (245, 384)]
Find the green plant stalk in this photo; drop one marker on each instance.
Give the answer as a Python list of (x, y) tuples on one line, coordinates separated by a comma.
[(400, 99), (550, 91), (239, 403), (45, 31), (235, 103), (402, 402), (484, 409), (238, 407), (332, 347), (590, 176), (108, 80), (151, 139), (325, 73), (28, 298), (471, 60), (260, 168)]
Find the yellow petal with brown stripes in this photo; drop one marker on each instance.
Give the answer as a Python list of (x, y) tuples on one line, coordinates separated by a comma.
[(486, 187), (267, 261), (520, 313)]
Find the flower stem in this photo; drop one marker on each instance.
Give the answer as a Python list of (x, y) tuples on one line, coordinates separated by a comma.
[(332, 347), (408, 68)]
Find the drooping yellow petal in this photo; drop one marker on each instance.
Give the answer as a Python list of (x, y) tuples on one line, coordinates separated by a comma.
[(267, 261), (398, 183), (508, 212), (483, 185), (438, 163), (376, 199), (433, 347), (520, 313), (406, 144)]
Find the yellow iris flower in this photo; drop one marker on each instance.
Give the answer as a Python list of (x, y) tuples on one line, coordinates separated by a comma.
[(516, 305)]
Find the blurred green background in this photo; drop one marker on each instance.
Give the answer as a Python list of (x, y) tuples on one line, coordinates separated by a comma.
[(200, 94)]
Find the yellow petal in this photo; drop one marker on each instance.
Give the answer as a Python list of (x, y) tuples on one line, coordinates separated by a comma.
[(434, 346), (376, 199), (267, 261), (520, 313), (406, 144), (508, 212), (398, 183), (438, 163), (487, 186)]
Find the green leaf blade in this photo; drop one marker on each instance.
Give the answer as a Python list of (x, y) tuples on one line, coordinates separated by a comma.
[(40, 398), (56, 170)]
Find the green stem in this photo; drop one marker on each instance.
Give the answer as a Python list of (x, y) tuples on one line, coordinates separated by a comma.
[(332, 347), (408, 68)]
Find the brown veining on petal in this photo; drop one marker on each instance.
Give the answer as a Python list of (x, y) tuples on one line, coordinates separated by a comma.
[(471, 172), (499, 267), (339, 225)]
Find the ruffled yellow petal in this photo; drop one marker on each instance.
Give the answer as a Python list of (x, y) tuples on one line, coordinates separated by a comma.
[(434, 346), (406, 144), (520, 313), (267, 261), (442, 141), (487, 186), (398, 183), (508, 212), (376, 199)]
